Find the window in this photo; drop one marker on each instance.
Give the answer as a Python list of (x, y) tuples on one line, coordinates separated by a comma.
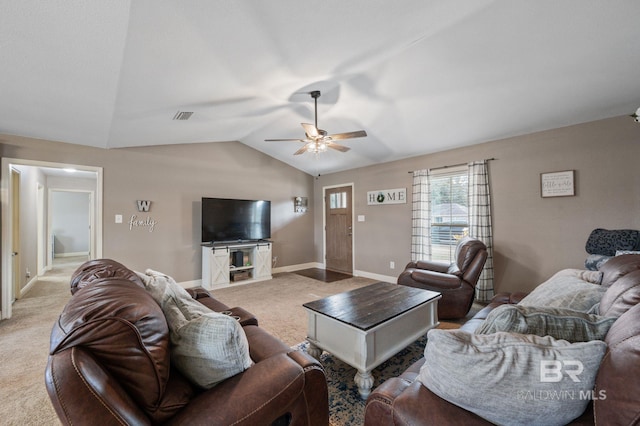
[(449, 211), (338, 200)]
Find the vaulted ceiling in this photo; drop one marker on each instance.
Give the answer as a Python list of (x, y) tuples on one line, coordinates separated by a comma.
[(419, 76)]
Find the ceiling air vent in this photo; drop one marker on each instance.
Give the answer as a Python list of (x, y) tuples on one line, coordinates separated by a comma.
[(182, 115)]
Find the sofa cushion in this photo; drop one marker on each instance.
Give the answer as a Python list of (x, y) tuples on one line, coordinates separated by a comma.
[(565, 290), (126, 332), (623, 294), (558, 323), (509, 378), (206, 346), (619, 266)]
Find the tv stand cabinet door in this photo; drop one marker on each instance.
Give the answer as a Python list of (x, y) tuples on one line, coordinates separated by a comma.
[(262, 261), (215, 267)]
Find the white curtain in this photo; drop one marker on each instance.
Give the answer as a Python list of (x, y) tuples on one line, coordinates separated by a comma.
[(421, 216), (480, 223)]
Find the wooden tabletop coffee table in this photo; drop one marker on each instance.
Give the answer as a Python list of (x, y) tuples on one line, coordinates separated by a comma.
[(366, 326)]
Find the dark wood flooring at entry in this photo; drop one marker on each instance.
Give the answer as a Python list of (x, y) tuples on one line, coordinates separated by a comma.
[(322, 275)]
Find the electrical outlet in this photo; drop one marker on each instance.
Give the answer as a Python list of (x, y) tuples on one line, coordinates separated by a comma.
[(392, 265)]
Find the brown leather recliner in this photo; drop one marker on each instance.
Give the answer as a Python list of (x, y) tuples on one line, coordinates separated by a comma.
[(110, 364), (456, 281)]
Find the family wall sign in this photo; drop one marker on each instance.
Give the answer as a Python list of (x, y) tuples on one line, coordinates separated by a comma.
[(149, 222)]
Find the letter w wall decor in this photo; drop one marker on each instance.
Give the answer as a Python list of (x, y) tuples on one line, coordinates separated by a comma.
[(143, 205)]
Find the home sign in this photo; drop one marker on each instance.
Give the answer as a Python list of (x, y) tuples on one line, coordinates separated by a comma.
[(387, 196)]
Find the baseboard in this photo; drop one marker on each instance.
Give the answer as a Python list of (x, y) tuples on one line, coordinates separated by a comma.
[(379, 277), (74, 254), (298, 267), (24, 290)]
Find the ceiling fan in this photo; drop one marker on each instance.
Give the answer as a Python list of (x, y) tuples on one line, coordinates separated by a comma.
[(317, 140)]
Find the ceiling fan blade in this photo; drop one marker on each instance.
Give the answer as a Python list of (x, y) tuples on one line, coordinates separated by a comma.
[(285, 140), (301, 150), (337, 147), (348, 135), (310, 130)]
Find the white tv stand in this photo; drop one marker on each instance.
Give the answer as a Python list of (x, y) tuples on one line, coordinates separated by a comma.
[(217, 268)]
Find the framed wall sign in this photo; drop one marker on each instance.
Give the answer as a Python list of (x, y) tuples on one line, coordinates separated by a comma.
[(387, 196), (557, 184)]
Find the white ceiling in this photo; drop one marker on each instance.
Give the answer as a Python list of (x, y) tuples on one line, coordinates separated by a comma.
[(419, 76)]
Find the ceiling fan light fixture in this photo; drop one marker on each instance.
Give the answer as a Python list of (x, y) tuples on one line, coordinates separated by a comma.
[(317, 147)]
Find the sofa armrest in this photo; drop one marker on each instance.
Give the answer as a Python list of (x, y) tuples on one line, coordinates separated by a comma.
[(402, 402), (432, 265), (440, 280), (246, 317), (510, 298), (261, 394), (198, 292), (82, 392)]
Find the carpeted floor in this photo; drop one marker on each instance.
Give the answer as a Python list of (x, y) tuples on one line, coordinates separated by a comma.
[(277, 303), (24, 345)]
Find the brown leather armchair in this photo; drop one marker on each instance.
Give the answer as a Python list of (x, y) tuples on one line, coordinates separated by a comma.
[(109, 364), (455, 281)]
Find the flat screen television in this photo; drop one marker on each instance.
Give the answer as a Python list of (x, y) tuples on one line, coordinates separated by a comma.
[(227, 220)]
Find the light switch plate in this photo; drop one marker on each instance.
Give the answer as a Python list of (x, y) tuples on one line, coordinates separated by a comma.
[(118, 218), (360, 218)]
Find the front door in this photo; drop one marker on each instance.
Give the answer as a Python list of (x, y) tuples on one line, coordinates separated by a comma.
[(338, 230)]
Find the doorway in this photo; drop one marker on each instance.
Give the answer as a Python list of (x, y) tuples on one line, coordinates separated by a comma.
[(70, 213), (338, 215), (34, 256)]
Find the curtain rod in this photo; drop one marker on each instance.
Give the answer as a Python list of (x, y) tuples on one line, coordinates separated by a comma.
[(452, 165)]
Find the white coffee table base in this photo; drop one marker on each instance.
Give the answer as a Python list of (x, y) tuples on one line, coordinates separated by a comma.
[(366, 349)]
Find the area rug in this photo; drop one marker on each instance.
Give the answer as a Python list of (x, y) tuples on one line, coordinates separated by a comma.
[(346, 408)]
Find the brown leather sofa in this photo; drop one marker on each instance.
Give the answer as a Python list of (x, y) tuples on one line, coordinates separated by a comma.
[(456, 281), (109, 364), (404, 401)]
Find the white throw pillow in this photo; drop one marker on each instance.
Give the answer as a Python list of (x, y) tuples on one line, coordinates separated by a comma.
[(206, 346), (509, 378)]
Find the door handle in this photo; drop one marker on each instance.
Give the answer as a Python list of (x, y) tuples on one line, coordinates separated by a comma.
[(15, 253)]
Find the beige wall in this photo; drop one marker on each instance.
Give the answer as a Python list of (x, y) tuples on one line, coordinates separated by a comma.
[(533, 237), (175, 178)]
